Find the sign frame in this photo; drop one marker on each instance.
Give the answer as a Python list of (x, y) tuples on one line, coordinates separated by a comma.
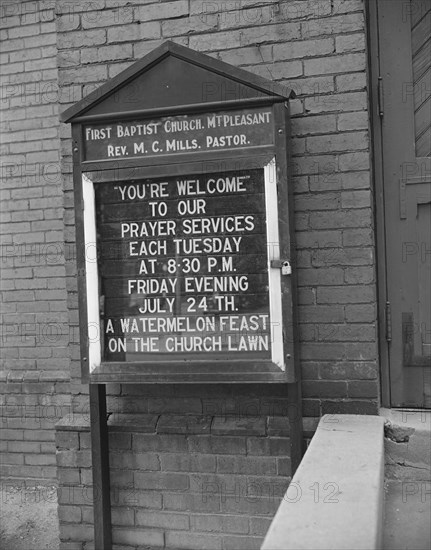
[(181, 371)]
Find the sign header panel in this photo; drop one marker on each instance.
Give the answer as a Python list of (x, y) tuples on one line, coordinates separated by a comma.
[(169, 135)]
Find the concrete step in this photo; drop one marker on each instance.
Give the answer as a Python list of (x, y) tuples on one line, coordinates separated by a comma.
[(407, 444), (407, 524)]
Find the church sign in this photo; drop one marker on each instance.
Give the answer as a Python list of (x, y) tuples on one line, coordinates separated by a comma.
[(184, 231)]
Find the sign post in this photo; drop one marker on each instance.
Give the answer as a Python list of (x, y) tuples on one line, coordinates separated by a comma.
[(183, 227)]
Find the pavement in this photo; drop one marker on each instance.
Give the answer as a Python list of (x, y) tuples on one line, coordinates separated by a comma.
[(28, 517), (407, 524)]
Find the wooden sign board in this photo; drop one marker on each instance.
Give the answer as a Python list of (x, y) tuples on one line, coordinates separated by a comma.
[(183, 268), (181, 257)]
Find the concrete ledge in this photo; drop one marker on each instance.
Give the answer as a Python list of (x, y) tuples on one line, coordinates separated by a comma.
[(335, 499), (74, 422)]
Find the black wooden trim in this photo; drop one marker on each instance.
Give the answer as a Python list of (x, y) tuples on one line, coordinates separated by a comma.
[(185, 372), (213, 164), (180, 109), (215, 378), (287, 249), (294, 412), (180, 158), (283, 182), (100, 461), (409, 357), (241, 76), (371, 8), (80, 249)]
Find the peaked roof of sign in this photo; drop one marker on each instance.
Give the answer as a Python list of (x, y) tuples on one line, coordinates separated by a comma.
[(171, 76)]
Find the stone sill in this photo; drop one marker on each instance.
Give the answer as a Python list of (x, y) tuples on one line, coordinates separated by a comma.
[(182, 424), (33, 376), (273, 426)]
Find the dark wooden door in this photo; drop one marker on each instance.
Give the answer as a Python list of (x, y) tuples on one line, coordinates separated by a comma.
[(405, 68)]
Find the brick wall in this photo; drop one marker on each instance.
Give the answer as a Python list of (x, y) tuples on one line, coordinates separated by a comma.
[(176, 481), (34, 317)]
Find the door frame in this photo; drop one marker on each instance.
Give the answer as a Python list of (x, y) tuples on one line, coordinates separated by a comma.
[(375, 106)]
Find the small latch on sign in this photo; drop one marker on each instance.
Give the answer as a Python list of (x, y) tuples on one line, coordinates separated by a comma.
[(102, 304), (284, 265)]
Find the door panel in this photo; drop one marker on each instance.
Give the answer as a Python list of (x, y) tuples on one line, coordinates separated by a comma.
[(405, 54), (421, 59)]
